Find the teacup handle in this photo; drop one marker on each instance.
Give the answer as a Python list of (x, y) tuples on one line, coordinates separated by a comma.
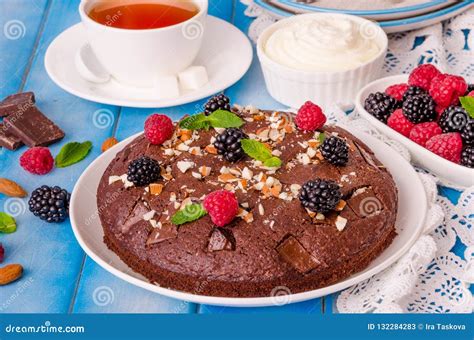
[(89, 67)]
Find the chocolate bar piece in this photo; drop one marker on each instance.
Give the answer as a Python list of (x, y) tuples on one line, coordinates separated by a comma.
[(365, 203), (16, 103), (294, 253), (32, 127), (167, 231), (221, 239), (8, 140)]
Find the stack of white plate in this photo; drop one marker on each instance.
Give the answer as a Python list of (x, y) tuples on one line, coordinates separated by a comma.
[(392, 15)]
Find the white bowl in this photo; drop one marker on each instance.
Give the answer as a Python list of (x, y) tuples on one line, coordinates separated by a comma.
[(294, 87), (449, 172), (409, 223)]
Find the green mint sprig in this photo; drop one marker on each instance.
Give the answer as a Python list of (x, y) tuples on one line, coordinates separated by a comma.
[(468, 105), (260, 152), (7, 223), (72, 153), (218, 119), (190, 213), (321, 137)]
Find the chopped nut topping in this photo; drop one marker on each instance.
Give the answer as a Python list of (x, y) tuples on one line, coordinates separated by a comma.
[(211, 149), (156, 188), (341, 223), (184, 166)]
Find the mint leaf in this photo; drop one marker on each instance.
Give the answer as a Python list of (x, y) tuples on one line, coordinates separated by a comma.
[(260, 152), (273, 162), (321, 137), (72, 153), (468, 105), (195, 122), (224, 119), (218, 119), (7, 223), (191, 212)]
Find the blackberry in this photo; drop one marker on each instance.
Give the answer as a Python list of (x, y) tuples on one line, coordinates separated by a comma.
[(218, 102), (50, 204), (413, 91), (335, 151), (320, 195), (228, 144), (143, 171), (453, 119), (467, 157), (470, 88), (380, 105), (467, 133), (420, 109)]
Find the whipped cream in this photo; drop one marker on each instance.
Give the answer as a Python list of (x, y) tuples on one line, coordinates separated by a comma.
[(323, 44)]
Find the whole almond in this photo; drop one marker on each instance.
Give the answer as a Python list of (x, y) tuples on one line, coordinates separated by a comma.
[(10, 273), (11, 188), (108, 143)]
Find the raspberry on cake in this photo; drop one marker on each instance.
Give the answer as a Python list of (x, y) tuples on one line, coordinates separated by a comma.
[(158, 129), (241, 226)]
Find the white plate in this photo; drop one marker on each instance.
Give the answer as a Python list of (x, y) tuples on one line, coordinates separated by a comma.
[(410, 219), (226, 53), (389, 26), (453, 173)]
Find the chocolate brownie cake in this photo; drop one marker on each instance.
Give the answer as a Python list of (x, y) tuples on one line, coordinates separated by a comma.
[(322, 212)]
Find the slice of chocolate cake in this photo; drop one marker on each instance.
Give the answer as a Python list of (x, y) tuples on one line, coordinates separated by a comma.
[(320, 210)]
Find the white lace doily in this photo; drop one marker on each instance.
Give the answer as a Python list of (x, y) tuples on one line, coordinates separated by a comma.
[(430, 278)]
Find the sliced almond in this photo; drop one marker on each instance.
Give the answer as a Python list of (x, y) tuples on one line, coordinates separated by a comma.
[(10, 188), (341, 205), (156, 189), (227, 178), (211, 149)]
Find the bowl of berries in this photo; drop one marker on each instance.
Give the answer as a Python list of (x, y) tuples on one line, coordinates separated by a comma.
[(432, 114)]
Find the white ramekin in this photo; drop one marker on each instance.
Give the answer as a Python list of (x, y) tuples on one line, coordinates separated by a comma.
[(294, 87)]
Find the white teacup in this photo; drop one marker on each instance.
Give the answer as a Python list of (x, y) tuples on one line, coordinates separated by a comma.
[(138, 57)]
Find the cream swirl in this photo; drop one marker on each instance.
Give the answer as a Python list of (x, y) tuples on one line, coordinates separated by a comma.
[(322, 44)]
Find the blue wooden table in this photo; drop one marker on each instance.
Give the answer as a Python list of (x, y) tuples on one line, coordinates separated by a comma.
[(59, 277)]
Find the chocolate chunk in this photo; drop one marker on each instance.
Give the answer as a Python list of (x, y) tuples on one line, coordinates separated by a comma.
[(33, 128), (167, 231), (7, 140), (221, 239), (135, 217), (365, 203), (16, 103), (294, 253)]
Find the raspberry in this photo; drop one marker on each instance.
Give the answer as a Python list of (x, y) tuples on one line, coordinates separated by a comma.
[(2, 253), (397, 91), (423, 75), (222, 206), (37, 160), (158, 129), (400, 123), (423, 132), (446, 89), (310, 117), (447, 145), (470, 94)]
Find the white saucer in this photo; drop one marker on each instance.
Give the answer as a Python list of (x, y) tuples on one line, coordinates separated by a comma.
[(226, 53), (409, 224)]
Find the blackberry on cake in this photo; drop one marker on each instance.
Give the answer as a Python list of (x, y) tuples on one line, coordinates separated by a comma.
[(319, 195), (335, 151), (228, 144), (143, 171), (380, 105), (218, 102), (419, 109), (467, 157), (50, 204), (453, 119)]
